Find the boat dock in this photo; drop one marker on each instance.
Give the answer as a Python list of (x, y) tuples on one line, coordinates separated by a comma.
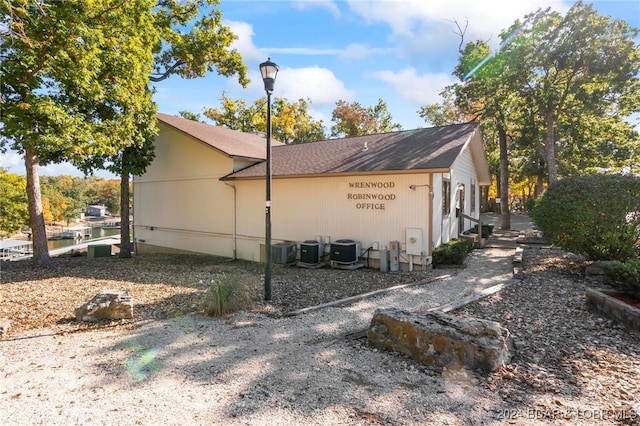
[(11, 248), (72, 233)]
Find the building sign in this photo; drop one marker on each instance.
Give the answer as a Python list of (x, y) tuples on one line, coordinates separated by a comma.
[(371, 195)]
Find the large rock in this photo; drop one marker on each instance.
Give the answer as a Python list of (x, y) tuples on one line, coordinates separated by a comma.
[(108, 304), (595, 272), (441, 339)]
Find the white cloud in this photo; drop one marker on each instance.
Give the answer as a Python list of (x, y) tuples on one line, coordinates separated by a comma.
[(302, 51), (433, 22), (244, 43), (417, 89), (329, 6), (358, 51), (12, 162), (319, 84)]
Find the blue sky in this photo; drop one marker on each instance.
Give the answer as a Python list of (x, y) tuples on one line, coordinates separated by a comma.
[(401, 51)]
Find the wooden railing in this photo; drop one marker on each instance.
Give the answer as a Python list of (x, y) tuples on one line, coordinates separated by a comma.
[(479, 242)]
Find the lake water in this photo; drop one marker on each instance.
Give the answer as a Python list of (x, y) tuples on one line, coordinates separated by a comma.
[(96, 232)]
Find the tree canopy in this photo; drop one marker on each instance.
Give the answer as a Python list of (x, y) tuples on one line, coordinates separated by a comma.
[(559, 92), (352, 119), (291, 122), (578, 65), (205, 47), (14, 213), (74, 83)]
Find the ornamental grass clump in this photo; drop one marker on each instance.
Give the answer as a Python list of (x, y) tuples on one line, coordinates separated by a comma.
[(227, 294)]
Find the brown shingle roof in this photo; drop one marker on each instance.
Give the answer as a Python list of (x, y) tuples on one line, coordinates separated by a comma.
[(421, 149), (231, 142)]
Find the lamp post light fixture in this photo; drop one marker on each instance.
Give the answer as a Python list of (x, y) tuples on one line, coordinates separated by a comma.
[(269, 70)]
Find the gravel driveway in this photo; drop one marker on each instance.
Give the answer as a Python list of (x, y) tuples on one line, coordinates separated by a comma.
[(572, 367)]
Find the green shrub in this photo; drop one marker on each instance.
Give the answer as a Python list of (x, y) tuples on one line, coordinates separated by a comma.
[(593, 215), (453, 252), (486, 230), (529, 204), (229, 293), (623, 276)]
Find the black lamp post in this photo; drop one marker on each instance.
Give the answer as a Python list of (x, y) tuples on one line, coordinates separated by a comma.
[(269, 70)]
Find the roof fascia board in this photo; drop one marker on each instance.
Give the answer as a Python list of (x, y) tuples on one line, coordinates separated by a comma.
[(326, 175), (189, 135), (479, 157)]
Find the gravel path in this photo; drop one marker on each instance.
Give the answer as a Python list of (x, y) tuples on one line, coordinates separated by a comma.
[(572, 367)]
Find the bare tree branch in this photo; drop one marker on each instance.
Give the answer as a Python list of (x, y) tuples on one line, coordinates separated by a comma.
[(461, 32)]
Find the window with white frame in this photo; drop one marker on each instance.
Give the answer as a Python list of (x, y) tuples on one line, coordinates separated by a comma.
[(473, 195), (446, 197)]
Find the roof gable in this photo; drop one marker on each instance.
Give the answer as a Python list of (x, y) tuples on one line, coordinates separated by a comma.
[(421, 149), (231, 142)]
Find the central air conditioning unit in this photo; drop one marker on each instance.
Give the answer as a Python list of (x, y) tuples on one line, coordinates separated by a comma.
[(284, 253), (345, 251), (311, 252)]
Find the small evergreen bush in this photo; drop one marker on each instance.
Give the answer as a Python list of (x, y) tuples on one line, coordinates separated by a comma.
[(227, 294), (487, 230), (594, 215), (453, 252), (623, 276)]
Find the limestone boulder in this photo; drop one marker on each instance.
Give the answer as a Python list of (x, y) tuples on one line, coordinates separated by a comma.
[(442, 339), (108, 304)]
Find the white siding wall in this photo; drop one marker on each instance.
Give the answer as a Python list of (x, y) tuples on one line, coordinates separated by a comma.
[(439, 221), (462, 172), (332, 208), (180, 201)]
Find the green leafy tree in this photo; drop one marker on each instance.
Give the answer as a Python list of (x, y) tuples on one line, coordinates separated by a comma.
[(592, 144), (355, 120), (193, 116), (74, 80), (290, 121), (557, 94), (236, 115), (193, 42), (57, 202), (105, 192), (488, 97), (581, 63), (14, 213), (68, 196), (445, 113)]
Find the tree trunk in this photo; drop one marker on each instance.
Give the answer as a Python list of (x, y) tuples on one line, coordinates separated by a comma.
[(484, 199), (539, 180), (125, 228), (551, 149), (41, 256), (505, 214)]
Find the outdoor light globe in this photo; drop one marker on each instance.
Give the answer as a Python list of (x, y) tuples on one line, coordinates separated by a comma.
[(269, 70)]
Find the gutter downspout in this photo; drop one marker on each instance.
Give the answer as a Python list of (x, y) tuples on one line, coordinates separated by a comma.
[(235, 233), (431, 218)]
